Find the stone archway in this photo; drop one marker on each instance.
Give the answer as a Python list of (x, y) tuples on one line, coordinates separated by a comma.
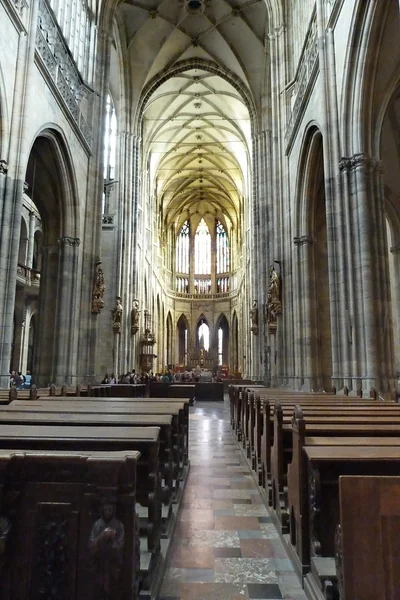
[(51, 186)]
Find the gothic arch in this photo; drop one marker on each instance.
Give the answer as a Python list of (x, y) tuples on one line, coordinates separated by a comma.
[(304, 176), (67, 216), (313, 355), (52, 186), (197, 63), (369, 20), (223, 352), (169, 333), (4, 122), (234, 361), (182, 340)]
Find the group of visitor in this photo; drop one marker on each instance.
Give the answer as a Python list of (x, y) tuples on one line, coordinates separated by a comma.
[(130, 377), (20, 381)]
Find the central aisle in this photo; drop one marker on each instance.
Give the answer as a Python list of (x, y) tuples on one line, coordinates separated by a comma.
[(225, 546)]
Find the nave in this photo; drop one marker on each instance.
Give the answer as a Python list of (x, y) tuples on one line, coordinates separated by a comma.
[(225, 546)]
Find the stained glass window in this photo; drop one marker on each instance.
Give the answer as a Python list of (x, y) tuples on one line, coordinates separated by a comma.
[(222, 248), (182, 250), (204, 336), (110, 139), (220, 345), (202, 250)]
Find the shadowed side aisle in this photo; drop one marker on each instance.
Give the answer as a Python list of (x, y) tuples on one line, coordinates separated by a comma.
[(225, 546)]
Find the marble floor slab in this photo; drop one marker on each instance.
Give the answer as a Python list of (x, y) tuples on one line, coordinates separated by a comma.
[(225, 545)]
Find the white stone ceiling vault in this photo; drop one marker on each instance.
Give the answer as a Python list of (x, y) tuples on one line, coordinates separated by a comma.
[(196, 127)]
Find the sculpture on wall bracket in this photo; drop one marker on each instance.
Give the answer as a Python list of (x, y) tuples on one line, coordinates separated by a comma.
[(117, 315), (254, 318), (135, 317), (273, 308), (98, 290)]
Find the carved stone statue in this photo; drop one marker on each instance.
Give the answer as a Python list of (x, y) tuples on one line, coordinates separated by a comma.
[(106, 546), (254, 317), (135, 317), (98, 291), (273, 307), (117, 315)]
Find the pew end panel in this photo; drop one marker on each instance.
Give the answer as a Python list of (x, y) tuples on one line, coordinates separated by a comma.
[(53, 501), (368, 538)]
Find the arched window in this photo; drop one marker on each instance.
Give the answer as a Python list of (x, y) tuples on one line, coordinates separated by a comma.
[(182, 250), (204, 336), (110, 143), (220, 346), (110, 139), (202, 250), (76, 20), (222, 247)]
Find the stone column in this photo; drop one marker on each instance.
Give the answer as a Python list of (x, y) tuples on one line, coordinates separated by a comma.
[(31, 240), (47, 335), (65, 318), (303, 292), (91, 237), (126, 226), (395, 250), (191, 261), (373, 339), (12, 177), (213, 262)]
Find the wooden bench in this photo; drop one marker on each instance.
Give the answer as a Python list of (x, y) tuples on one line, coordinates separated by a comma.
[(179, 409), (52, 502), (303, 435), (7, 396), (283, 414), (368, 541), (168, 468), (325, 465), (67, 438), (331, 420), (120, 390)]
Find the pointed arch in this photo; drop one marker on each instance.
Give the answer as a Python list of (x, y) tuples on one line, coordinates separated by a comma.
[(222, 331), (235, 344), (169, 355), (52, 186), (182, 338)]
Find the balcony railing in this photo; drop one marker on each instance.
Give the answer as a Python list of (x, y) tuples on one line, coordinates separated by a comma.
[(28, 276)]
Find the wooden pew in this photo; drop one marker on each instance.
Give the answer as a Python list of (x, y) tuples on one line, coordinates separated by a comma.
[(325, 465), (8, 396), (66, 438), (179, 409), (50, 509), (368, 539), (305, 435), (119, 390), (169, 470), (283, 413), (281, 451)]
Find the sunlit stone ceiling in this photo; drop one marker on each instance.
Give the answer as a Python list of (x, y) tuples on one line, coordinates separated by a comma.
[(196, 124)]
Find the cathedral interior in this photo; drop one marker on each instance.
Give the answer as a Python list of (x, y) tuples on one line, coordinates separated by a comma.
[(176, 162), (206, 191)]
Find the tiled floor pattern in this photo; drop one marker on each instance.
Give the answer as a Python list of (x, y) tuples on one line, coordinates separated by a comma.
[(225, 546)]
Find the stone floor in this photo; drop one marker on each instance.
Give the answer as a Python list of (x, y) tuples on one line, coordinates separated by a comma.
[(225, 546)]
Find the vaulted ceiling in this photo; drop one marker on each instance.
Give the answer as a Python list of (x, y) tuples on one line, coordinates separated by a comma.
[(196, 121)]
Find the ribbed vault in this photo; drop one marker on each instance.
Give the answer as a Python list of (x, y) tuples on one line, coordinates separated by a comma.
[(196, 122)]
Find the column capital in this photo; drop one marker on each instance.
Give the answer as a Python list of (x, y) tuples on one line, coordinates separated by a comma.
[(69, 241), (361, 161), (303, 239), (3, 167), (276, 32)]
